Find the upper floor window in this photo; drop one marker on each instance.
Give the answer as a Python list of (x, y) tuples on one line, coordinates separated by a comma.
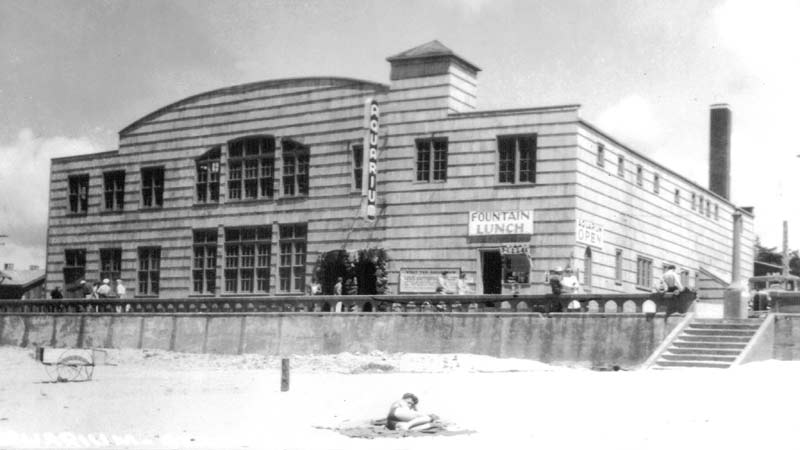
[(204, 263), (639, 175), (358, 164), (708, 208), (110, 263), (114, 190), (293, 257), (153, 187), (700, 205), (208, 176), (516, 159), (295, 168), (621, 166), (78, 194), (247, 252), (656, 183), (694, 201), (677, 196), (432, 159), (716, 212), (149, 272), (644, 272), (601, 155), (251, 168)]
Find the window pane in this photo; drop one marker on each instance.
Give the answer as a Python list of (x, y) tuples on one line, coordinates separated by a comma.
[(505, 147)]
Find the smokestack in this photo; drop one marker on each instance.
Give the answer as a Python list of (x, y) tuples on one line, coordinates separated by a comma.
[(719, 164)]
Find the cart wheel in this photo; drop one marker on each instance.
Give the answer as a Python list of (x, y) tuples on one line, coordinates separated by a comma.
[(52, 371), (68, 372), (73, 367)]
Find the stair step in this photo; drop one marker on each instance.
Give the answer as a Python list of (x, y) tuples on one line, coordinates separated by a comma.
[(720, 339), (723, 326), (701, 358), (704, 351), (710, 365), (729, 321), (709, 345), (719, 332)]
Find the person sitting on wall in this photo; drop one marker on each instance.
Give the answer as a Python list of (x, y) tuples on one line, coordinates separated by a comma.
[(555, 281), (671, 280), (104, 290), (403, 415), (56, 294), (570, 283), (441, 283)]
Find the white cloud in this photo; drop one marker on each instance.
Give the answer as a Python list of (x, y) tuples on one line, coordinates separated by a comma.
[(633, 121), (24, 185), (471, 8), (762, 39)]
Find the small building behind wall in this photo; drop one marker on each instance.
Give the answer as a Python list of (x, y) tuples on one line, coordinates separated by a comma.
[(22, 284), (243, 190)]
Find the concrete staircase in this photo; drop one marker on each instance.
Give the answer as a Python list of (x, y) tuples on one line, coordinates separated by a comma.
[(710, 343)]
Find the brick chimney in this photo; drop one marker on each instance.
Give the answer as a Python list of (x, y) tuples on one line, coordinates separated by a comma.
[(719, 163)]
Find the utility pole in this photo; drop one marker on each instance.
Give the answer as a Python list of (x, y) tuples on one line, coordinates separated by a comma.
[(785, 248)]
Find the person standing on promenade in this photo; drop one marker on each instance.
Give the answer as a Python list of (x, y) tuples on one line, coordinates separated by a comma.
[(671, 280)]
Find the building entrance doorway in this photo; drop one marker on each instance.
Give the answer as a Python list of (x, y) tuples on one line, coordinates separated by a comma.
[(492, 270)]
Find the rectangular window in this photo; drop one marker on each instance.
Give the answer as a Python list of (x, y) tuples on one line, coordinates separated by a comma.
[(685, 278), (110, 263), (639, 175), (716, 212), (656, 183), (700, 205), (78, 194), (153, 187), (114, 190), (432, 159), (601, 155), (694, 201), (644, 272), (204, 262), (708, 208), (208, 168), (358, 164), (247, 259), (621, 166), (251, 168), (677, 196), (149, 270), (74, 266), (516, 159), (618, 266), (295, 168), (293, 257)]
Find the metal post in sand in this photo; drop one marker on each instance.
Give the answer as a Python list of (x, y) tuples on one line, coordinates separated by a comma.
[(284, 374)]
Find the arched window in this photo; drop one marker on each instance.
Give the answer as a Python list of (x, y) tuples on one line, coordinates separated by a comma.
[(587, 269)]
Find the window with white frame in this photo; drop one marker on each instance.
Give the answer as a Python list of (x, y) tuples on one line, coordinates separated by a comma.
[(208, 168), (149, 272), (292, 269), (78, 194), (431, 162), (644, 272), (295, 168), (601, 155), (251, 168), (204, 261), (114, 190), (357, 153), (247, 259)]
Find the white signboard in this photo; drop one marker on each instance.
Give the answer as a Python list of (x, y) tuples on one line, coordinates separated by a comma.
[(425, 281), (589, 233), (499, 223)]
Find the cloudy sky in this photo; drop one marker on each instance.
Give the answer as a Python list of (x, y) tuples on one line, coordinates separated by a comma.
[(72, 74)]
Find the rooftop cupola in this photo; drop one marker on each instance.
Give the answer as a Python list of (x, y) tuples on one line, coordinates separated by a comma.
[(435, 75)]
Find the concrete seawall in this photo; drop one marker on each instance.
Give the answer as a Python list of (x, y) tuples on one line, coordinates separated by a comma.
[(586, 339)]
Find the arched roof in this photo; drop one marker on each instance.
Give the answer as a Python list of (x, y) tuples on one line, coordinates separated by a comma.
[(259, 85)]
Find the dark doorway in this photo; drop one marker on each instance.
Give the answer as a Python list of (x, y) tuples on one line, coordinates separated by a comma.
[(492, 268), (365, 276), (332, 265)]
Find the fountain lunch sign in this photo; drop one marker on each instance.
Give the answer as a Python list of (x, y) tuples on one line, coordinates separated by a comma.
[(499, 223)]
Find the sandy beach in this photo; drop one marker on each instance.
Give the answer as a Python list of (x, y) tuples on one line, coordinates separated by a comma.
[(157, 399)]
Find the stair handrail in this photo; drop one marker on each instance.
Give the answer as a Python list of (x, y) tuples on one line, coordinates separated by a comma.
[(668, 340)]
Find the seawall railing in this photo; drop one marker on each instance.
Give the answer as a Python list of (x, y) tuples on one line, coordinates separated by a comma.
[(668, 303)]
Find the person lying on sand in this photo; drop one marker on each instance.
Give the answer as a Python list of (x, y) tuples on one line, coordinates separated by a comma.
[(403, 415)]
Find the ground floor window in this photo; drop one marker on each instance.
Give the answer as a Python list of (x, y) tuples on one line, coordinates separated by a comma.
[(644, 272), (110, 263), (204, 263), (293, 257), (247, 259), (149, 270)]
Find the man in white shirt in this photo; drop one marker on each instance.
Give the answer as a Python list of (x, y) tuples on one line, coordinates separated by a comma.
[(672, 281)]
